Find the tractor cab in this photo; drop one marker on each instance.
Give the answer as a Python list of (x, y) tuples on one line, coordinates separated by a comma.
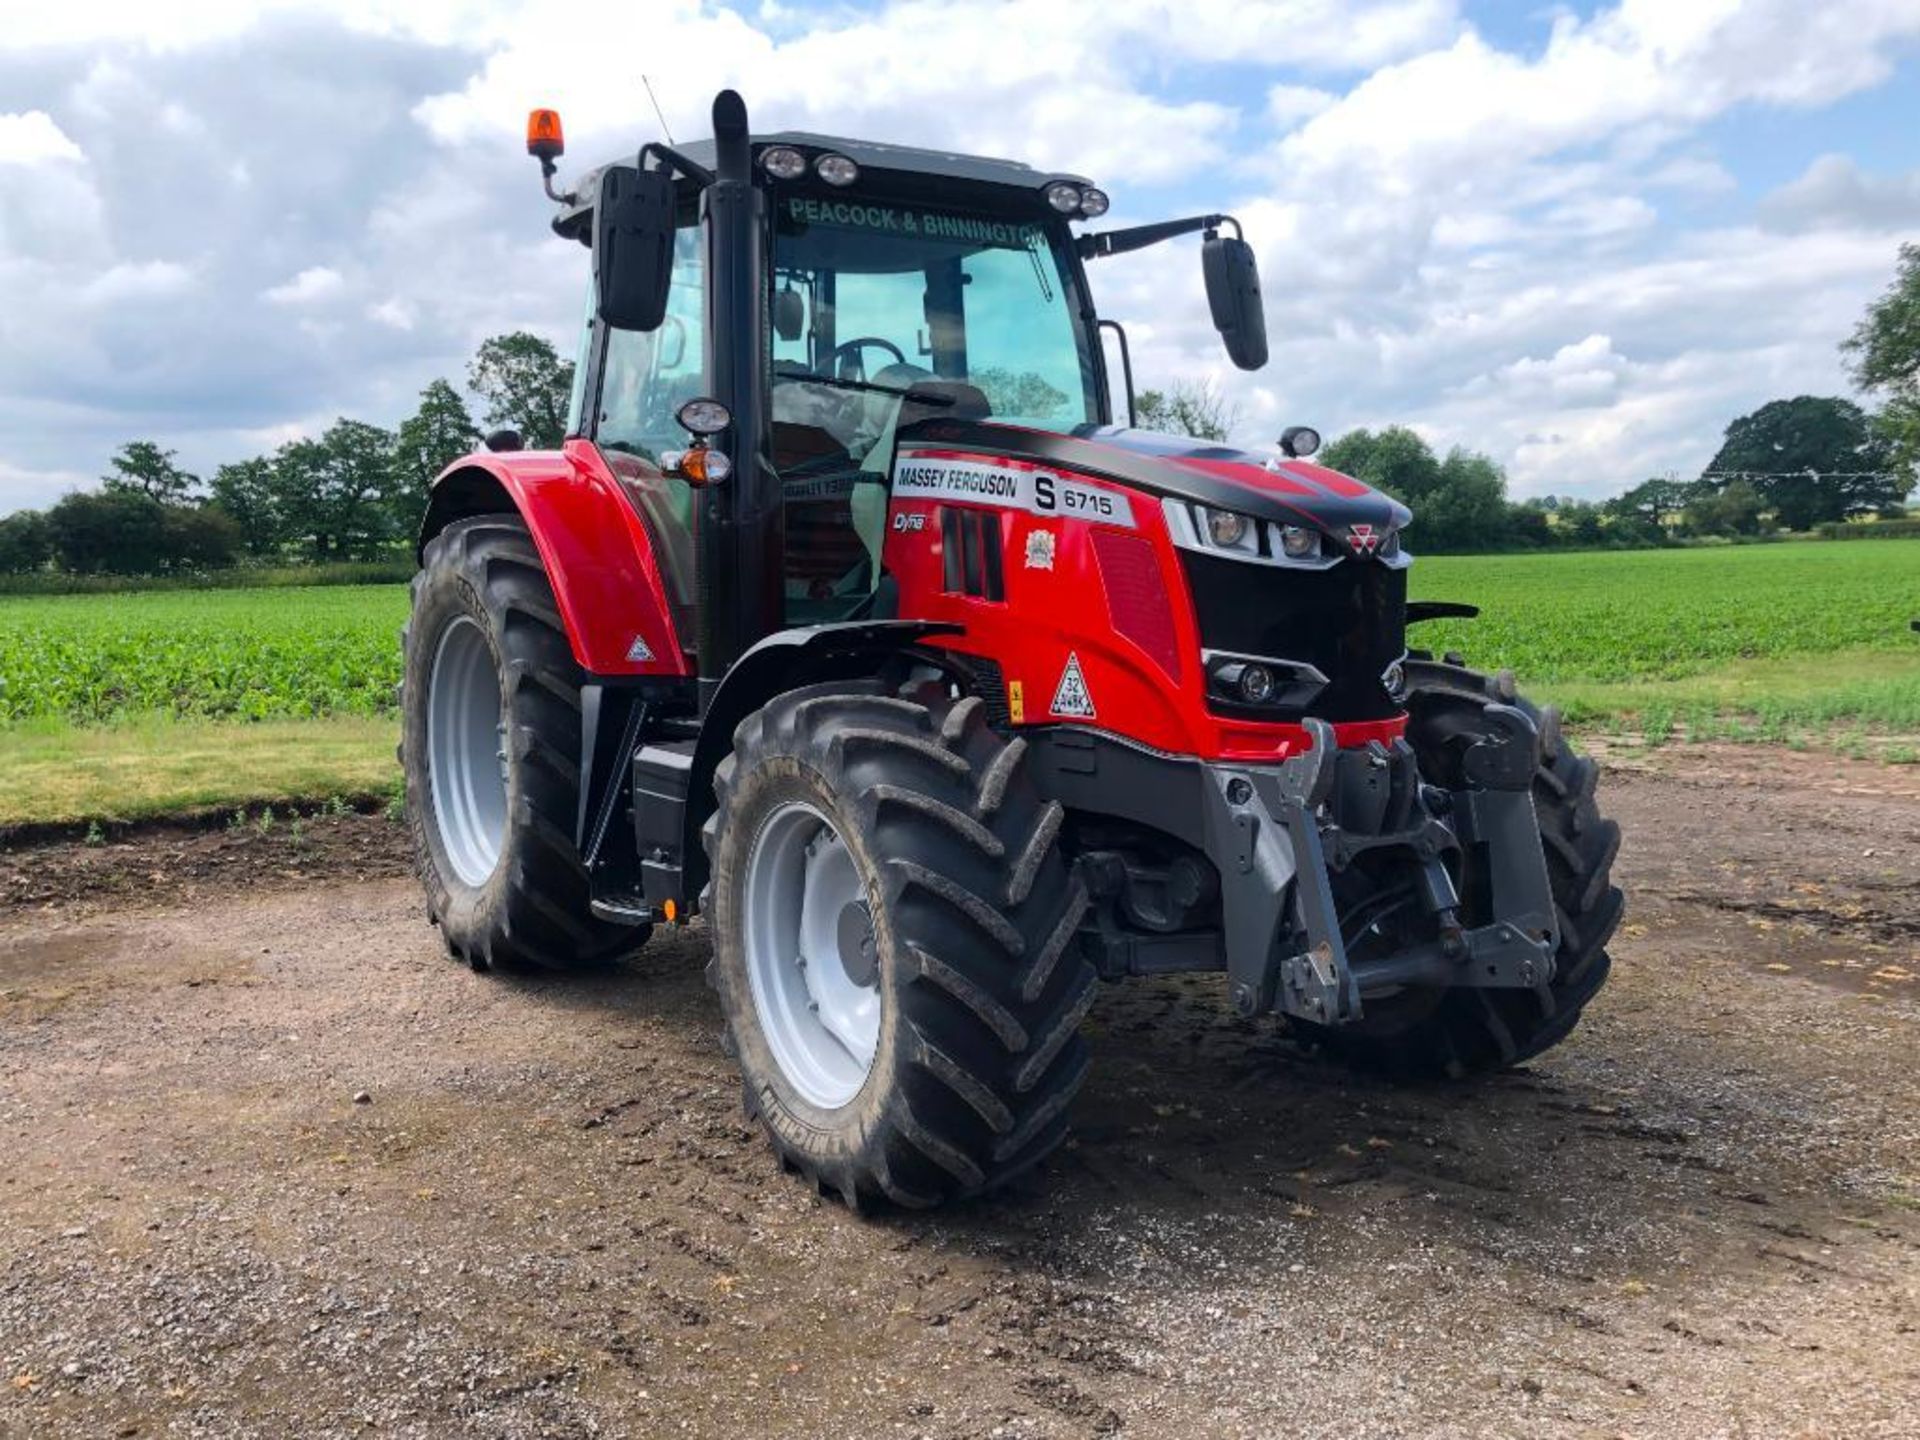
[(887, 286), (911, 284)]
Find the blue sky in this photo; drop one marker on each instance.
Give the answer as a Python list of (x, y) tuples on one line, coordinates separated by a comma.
[(1581, 238)]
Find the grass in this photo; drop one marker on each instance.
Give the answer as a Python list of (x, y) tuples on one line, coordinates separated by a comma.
[(56, 774), (1861, 702), (122, 705)]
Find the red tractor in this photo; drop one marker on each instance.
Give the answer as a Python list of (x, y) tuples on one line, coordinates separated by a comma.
[(847, 618)]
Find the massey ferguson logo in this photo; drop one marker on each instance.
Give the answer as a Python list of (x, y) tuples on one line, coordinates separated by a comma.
[(1364, 539)]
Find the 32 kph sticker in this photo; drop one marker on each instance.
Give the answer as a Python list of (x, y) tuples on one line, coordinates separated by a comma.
[(1071, 697)]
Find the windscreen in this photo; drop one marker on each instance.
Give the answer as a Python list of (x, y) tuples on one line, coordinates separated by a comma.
[(891, 296)]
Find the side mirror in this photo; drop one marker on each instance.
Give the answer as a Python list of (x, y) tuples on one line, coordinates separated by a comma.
[(633, 246), (1233, 294)]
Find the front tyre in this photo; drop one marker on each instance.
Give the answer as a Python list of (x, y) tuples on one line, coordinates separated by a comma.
[(490, 747), (1465, 1030), (893, 928)]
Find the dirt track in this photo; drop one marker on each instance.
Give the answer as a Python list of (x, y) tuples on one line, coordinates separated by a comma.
[(1699, 1217)]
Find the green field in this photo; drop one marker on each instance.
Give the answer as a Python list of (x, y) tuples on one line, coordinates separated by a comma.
[(1665, 614), (207, 654), (124, 704)]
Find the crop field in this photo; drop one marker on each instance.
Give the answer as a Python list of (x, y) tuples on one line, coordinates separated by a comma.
[(1666, 614), (1789, 642), (205, 654)]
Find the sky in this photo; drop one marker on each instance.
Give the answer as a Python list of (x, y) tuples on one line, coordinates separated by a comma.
[(1580, 238)]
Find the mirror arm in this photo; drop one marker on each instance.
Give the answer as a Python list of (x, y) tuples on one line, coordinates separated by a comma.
[(676, 161), (1138, 237)]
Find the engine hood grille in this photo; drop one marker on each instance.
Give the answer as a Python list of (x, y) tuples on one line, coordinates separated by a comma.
[(1291, 492)]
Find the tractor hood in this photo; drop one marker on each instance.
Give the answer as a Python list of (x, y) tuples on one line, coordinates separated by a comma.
[(1290, 492)]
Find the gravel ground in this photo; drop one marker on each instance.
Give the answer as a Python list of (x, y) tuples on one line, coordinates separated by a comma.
[(273, 1166)]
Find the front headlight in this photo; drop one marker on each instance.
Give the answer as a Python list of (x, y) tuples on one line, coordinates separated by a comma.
[(1297, 543), (1227, 529), (1234, 536)]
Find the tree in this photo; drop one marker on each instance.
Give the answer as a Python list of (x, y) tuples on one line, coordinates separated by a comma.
[(1811, 459), (432, 438), (334, 495), (1467, 510), (1024, 394), (1733, 509), (1885, 346), (112, 532), (1884, 353), (1655, 501), (198, 537), (1187, 407), (1458, 504), (1528, 524), (526, 385), (245, 492), (143, 468), (1898, 426), (1582, 520), (1394, 460), (25, 544)]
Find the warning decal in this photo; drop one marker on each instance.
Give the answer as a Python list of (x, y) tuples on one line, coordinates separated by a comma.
[(981, 482), (1070, 696)]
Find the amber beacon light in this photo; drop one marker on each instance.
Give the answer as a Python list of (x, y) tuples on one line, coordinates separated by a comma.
[(544, 137)]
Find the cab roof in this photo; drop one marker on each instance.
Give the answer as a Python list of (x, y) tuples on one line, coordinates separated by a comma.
[(867, 154)]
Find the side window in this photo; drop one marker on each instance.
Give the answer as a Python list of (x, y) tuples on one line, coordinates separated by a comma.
[(650, 374), (577, 397)]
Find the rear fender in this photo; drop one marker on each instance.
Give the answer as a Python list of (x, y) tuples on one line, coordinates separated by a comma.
[(599, 556)]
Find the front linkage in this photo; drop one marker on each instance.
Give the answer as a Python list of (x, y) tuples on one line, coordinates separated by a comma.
[(1280, 835)]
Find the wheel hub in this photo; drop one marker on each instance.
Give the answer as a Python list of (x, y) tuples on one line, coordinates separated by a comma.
[(858, 955), (811, 960)]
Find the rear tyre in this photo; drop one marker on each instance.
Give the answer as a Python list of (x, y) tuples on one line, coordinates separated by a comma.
[(893, 928), (1463, 1031), (490, 747)]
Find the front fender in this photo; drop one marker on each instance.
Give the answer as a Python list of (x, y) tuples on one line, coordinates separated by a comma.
[(777, 663), (599, 555)]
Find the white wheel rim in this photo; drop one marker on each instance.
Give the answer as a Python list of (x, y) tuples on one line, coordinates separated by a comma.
[(466, 751), (809, 952)]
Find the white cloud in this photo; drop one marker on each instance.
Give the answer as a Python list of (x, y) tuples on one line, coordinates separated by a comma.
[(1074, 74), (1288, 105), (33, 139), (23, 489), (394, 312), (315, 283), (1834, 193), (134, 280)]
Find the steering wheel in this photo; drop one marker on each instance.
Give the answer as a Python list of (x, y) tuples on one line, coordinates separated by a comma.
[(852, 349)]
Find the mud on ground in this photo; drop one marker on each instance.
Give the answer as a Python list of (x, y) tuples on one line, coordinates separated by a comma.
[(1698, 1217)]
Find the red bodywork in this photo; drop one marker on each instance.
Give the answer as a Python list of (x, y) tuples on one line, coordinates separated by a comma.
[(1113, 598), (600, 557)]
